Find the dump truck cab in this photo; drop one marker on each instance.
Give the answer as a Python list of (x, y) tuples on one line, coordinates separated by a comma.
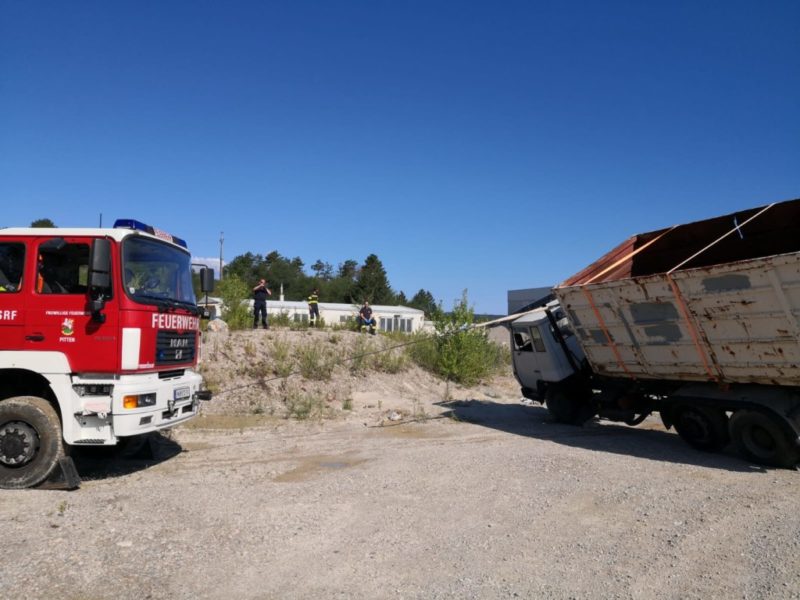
[(544, 350)]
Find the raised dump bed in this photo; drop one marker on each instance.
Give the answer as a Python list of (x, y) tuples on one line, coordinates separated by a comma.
[(714, 300)]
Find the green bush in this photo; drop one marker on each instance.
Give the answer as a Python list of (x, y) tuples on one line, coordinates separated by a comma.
[(458, 352), (234, 292)]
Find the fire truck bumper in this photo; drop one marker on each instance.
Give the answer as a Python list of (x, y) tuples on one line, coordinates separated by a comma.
[(146, 403)]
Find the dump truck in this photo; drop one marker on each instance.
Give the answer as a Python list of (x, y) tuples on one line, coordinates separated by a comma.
[(698, 322), (99, 343)]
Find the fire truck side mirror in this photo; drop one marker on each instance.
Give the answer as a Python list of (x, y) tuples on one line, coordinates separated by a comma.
[(206, 280), (99, 277), (100, 266)]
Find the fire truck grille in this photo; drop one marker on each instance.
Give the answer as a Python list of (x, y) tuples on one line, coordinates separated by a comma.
[(173, 347)]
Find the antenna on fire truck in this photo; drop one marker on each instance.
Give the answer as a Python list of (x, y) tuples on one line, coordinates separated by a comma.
[(221, 242)]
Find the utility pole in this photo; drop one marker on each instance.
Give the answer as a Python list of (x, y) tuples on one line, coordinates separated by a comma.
[(221, 242), (101, 220)]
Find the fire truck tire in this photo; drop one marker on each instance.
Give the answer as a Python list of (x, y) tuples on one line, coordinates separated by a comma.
[(761, 438), (701, 427), (30, 441)]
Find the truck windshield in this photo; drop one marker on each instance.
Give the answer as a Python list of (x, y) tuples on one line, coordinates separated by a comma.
[(154, 272)]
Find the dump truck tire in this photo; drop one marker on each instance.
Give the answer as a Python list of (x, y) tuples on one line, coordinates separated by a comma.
[(567, 404), (701, 427), (760, 438), (30, 441)]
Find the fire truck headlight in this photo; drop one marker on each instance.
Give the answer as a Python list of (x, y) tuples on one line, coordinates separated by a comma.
[(92, 389), (139, 400)]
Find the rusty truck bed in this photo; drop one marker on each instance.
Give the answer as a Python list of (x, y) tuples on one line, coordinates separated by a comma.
[(717, 299)]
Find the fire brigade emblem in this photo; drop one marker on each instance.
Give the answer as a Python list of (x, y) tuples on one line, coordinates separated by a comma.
[(68, 327)]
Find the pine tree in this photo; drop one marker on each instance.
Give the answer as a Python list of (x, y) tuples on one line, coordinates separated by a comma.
[(372, 284)]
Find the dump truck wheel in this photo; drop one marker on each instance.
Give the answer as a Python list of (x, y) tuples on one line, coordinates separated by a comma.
[(702, 428), (761, 439), (567, 404), (30, 441)]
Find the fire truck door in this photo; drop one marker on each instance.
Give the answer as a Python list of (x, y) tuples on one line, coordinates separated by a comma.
[(12, 297), (58, 317)]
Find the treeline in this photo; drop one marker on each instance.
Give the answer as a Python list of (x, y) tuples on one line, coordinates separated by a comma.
[(348, 283)]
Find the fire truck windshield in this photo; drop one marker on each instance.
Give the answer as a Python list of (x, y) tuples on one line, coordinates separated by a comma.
[(155, 272)]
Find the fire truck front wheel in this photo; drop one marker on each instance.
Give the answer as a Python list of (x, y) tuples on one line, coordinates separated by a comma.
[(30, 441)]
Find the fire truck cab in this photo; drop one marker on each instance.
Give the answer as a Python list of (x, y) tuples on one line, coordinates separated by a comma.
[(99, 340)]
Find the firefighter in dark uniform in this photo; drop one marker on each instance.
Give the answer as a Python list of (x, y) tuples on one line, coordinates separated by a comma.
[(365, 319), (313, 308), (260, 293)]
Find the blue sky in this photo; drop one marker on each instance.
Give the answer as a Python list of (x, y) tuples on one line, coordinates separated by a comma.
[(470, 145)]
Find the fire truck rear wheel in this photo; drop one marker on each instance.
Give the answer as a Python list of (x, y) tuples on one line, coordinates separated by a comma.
[(30, 441)]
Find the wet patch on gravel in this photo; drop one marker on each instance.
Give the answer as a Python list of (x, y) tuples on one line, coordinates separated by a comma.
[(311, 466)]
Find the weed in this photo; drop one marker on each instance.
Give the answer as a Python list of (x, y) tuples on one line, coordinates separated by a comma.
[(392, 361), (315, 363), (358, 362), (417, 411), (304, 406), (347, 403), (280, 319), (249, 348), (62, 508), (282, 366)]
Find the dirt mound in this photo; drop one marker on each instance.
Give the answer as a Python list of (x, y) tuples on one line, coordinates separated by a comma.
[(325, 374)]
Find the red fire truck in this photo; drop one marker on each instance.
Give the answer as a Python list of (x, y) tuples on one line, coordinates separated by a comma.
[(99, 340)]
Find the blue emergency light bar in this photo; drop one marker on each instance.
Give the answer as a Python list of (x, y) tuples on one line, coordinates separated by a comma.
[(139, 226)]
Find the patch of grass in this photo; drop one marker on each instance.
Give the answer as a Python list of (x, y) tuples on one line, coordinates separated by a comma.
[(358, 362), (304, 406), (314, 363), (211, 382), (280, 320), (282, 361), (249, 348), (393, 361)]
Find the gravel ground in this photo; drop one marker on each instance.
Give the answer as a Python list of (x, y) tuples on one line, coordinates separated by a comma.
[(477, 497), (495, 503)]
